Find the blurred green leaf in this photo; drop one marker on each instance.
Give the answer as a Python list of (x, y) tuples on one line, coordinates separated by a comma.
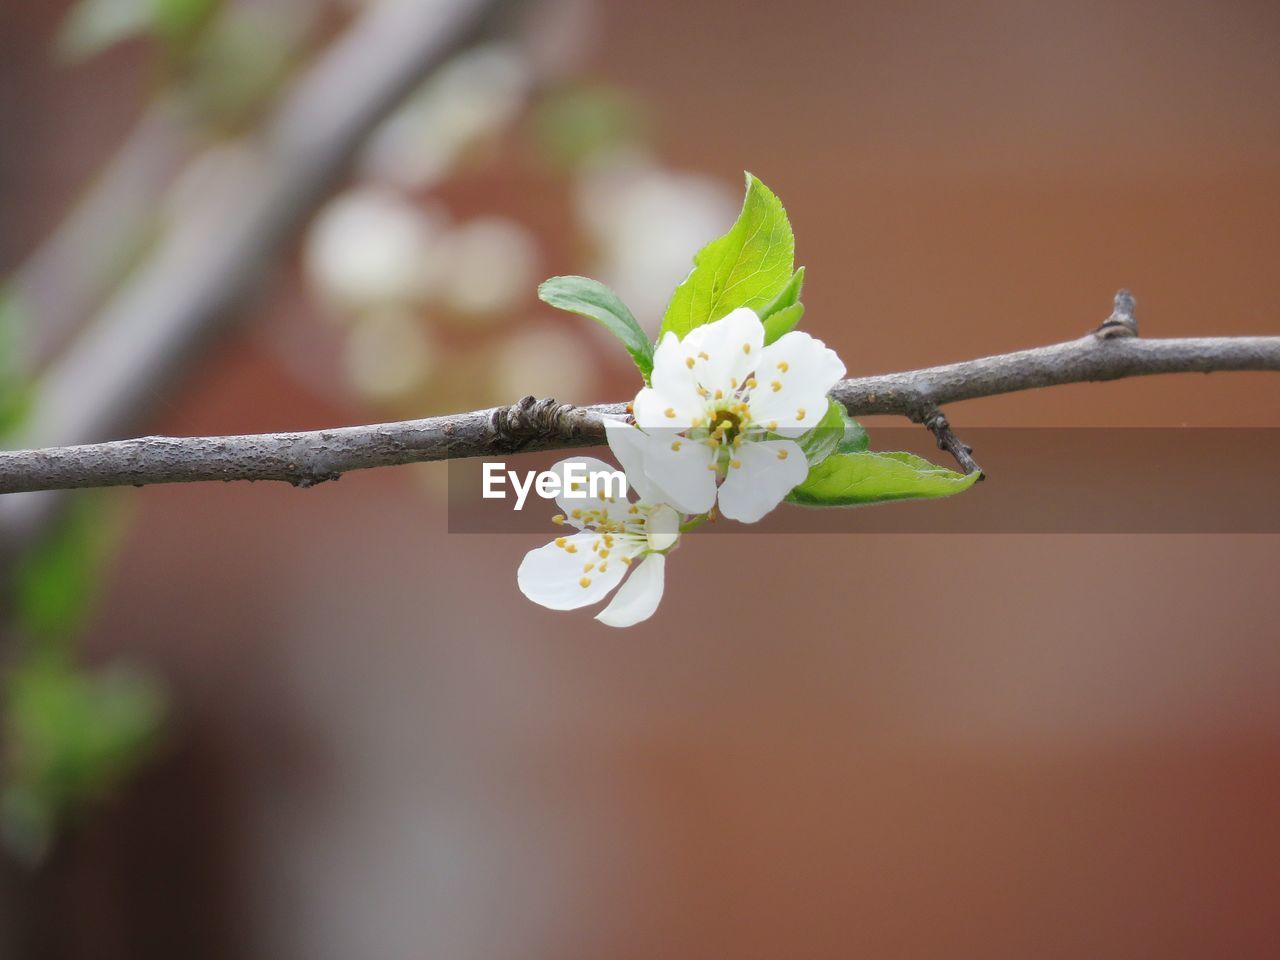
[(71, 737), (590, 298), (749, 266), (571, 126), (57, 583), (853, 479), (15, 391), (93, 25)]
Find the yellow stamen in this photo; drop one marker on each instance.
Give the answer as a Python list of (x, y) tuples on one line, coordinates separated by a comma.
[(571, 548), (675, 444), (670, 413), (800, 414), (703, 356), (688, 362), (733, 382), (719, 394), (603, 567), (776, 385), (736, 464), (746, 348), (633, 509), (784, 366), (626, 561), (751, 383), (703, 392), (576, 514), (773, 425), (560, 542), (584, 582), (587, 568), (782, 454), (558, 518)]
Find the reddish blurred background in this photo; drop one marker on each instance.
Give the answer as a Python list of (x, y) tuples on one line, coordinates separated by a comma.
[(907, 746)]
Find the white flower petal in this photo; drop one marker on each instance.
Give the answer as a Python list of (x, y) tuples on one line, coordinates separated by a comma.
[(552, 575), (639, 596), (795, 374), (672, 377), (616, 510), (655, 411), (770, 469), (683, 474), (662, 527), (629, 444), (726, 351)]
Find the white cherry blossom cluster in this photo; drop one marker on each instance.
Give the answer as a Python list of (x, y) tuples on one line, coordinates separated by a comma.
[(716, 430)]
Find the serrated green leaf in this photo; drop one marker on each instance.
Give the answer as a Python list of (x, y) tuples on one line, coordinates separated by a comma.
[(590, 298), (786, 297), (782, 322), (854, 479), (747, 267)]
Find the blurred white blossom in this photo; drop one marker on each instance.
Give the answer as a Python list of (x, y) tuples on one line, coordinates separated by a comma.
[(647, 223), (387, 354), (371, 247), (544, 361), (469, 100), (490, 266)]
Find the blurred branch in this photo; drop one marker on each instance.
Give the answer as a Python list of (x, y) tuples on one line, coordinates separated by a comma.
[(186, 292), (304, 459)]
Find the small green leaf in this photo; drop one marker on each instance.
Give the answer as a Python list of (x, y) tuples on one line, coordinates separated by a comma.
[(853, 479), (822, 440), (747, 267), (589, 298), (790, 294), (782, 321), (855, 438)]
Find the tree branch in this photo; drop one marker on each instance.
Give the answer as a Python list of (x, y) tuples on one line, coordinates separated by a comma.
[(304, 459)]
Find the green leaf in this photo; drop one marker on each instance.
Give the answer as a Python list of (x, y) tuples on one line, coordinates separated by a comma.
[(747, 267), (853, 479), (782, 321), (589, 298), (855, 438), (789, 295), (57, 583), (822, 440)]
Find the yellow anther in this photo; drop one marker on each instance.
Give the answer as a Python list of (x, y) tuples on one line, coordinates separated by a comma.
[(675, 444), (584, 582), (703, 356), (558, 518), (688, 362), (737, 441), (711, 466), (560, 542), (604, 555), (773, 425), (633, 509), (725, 425), (587, 568), (746, 348), (603, 567), (736, 464), (576, 514), (751, 383), (776, 386), (670, 413), (782, 454), (784, 366), (719, 395), (703, 392), (571, 548), (733, 382), (626, 561), (698, 421), (800, 414)]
